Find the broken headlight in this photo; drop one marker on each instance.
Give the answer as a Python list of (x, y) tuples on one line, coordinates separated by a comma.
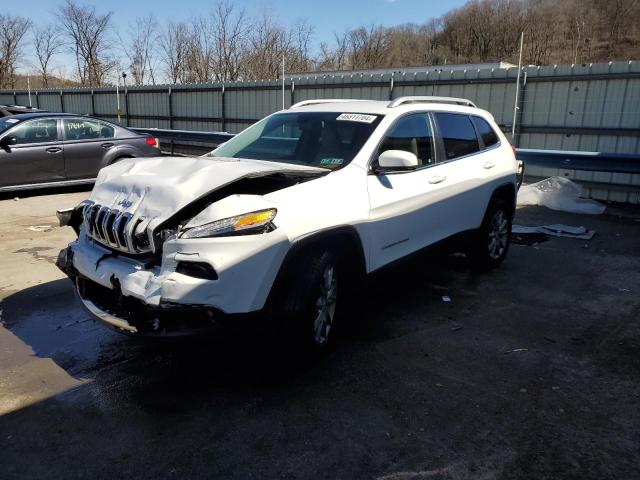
[(246, 224)]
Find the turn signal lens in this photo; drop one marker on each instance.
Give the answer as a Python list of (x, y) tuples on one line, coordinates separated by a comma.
[(252, 219)]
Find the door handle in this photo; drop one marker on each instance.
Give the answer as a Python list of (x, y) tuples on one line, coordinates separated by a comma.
[(53, 150), (107, 145), (488, 165), (437, 179)]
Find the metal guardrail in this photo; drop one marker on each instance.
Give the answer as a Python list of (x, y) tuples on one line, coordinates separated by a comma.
[(587, 161), (172, 141), (214, 138)]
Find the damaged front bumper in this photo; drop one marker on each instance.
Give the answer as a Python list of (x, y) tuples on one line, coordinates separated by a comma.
[(148, 299), (132, 316)]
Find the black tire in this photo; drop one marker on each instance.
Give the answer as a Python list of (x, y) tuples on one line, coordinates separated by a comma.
[(490, 244), (312, 290)]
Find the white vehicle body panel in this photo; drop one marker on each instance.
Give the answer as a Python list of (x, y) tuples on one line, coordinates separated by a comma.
[(393, 214)]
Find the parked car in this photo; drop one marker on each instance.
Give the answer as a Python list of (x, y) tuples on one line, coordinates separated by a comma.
[(55, 149), (291, 213), (9, 110)]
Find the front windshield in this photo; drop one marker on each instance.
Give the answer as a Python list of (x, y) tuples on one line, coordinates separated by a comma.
[(320, 139), (7, 122)]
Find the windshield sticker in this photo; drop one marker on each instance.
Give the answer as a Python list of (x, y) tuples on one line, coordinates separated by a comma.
[(11, 120), (332, 161), (356, 117)]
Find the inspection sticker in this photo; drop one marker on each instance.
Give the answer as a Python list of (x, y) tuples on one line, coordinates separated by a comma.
[(332, 161), (356, 117)]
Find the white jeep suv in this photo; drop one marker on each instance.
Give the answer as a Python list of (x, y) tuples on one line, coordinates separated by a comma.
[(290, 214)]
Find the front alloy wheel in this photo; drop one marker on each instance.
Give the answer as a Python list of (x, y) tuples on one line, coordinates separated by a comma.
[(326, 305), (310, 299)]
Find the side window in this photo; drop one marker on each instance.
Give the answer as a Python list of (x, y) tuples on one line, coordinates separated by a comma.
[(80, 129), (488, 135), (411, 134), (36, 131), (458, 134)]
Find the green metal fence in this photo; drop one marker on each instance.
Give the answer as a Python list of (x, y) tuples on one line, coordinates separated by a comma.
[(594, 107)]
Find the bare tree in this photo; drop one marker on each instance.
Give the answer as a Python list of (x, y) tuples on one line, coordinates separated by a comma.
[(368, 47), (140, 50), (87, 35), (200, 59), (618, 16), (268, 43), (12, 32), (298, 54), (47, 41), (174, 46), (230, 28)]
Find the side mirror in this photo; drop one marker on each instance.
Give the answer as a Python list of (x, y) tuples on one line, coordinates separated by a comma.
[(397, 160), (6, 142)]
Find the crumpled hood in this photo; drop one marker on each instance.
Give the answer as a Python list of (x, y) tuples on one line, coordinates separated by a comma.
[(155, 188)]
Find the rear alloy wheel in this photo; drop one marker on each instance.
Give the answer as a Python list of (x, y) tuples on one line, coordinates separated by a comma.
[(498, 235), (491, 243)]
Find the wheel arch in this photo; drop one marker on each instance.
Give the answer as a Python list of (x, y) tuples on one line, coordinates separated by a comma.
[(507, 192), (345, 239), (119, 153)]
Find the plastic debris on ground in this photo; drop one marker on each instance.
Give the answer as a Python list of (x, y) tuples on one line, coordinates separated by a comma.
[(555, 230), (528, 239), (559, 193), (40, 228)]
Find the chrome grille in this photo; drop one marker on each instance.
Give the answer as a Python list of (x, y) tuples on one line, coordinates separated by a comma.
[(114, 229)]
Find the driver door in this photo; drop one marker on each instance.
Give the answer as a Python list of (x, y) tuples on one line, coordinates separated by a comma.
[(32, 153), (408, 208)]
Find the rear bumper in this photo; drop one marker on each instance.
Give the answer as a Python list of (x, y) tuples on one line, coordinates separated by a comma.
[(520, 174)]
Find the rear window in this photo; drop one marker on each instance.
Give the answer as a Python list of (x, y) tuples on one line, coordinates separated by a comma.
[(458, 134), (488, 135)]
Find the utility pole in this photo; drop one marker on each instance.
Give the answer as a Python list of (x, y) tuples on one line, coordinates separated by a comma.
[(118, 111), (515, 104), (283, 81), (29, 89)]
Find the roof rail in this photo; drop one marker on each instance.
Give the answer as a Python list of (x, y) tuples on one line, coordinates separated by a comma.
[(318, 101), (424, 99)]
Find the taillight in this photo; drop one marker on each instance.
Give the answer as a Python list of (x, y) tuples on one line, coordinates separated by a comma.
[(515, 152), (152, 141)]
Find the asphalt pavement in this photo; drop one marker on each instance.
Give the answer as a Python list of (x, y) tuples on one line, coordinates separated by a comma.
[(529, 371)]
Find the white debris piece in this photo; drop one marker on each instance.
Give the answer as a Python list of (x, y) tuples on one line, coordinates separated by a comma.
[(558, 193), (40, 228), (556, 230)]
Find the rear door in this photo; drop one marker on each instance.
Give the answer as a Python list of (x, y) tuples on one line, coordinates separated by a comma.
[(36, 155), (468, 188), (86, 143)]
